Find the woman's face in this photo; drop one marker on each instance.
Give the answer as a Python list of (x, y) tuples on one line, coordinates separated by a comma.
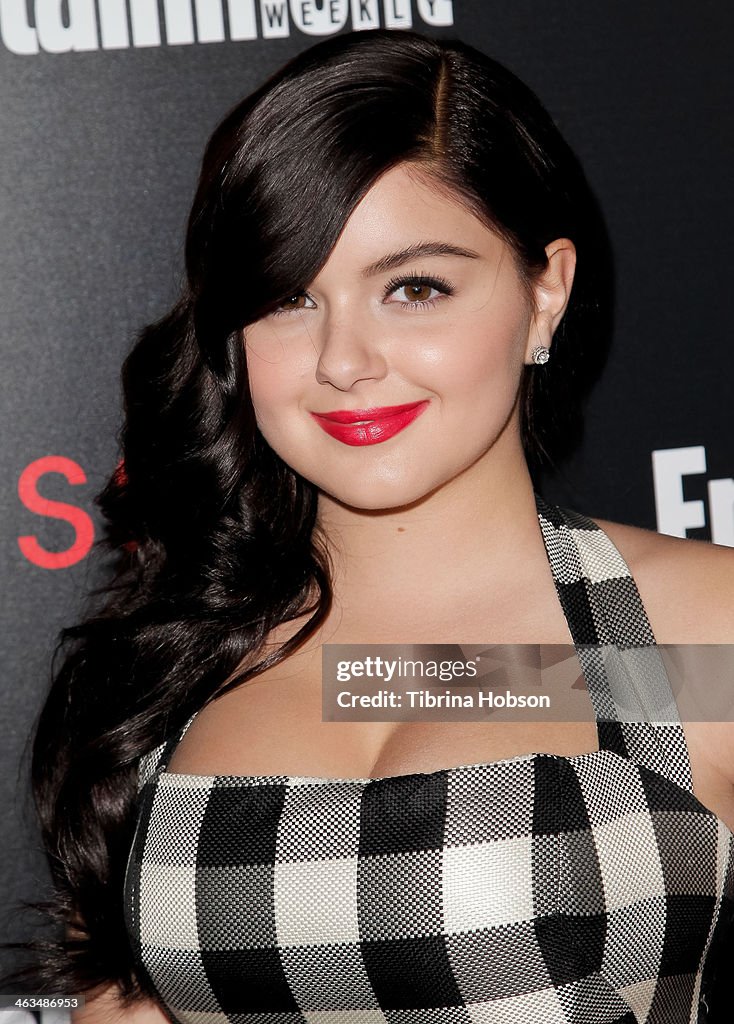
[(420, 307)]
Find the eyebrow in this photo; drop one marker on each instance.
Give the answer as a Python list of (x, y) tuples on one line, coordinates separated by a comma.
[(396, 259)]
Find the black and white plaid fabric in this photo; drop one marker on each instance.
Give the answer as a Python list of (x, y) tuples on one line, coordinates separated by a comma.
[(539, 889)]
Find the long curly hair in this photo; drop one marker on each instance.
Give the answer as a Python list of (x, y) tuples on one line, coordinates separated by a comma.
[(215, 540)]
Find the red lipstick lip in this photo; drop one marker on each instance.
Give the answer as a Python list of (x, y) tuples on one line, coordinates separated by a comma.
[(358, 427), (356, 415)]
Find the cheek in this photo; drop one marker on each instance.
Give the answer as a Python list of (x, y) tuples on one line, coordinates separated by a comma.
[(487, 349), (273, 378), (263, 386)]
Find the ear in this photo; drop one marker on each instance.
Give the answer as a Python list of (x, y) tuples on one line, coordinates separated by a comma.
[(551, 292)]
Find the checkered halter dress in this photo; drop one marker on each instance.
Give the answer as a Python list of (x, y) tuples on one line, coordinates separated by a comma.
[(538, 889)]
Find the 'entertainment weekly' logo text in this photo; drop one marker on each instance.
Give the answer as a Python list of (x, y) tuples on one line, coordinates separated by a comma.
[(55, 26)]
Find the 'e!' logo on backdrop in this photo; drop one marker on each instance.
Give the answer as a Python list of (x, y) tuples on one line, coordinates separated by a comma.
[(675, 514), (76, 25)]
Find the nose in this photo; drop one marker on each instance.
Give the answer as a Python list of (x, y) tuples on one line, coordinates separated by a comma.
[(349, 352)]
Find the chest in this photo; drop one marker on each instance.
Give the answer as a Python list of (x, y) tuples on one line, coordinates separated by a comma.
[(274, 725), (278, 722)]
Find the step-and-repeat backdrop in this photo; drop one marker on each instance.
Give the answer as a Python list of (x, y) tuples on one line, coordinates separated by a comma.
[(105, 106)]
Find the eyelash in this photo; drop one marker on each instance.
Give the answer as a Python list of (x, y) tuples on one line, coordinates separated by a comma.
[(395, 284)]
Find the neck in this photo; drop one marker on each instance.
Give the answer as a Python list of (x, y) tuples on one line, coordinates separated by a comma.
[(469, 531)]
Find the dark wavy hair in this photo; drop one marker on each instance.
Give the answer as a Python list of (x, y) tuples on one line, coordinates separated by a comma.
[(214, 537)]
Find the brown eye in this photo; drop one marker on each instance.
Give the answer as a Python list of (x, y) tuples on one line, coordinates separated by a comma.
[(301, 300), (418, 292), (295, 302)]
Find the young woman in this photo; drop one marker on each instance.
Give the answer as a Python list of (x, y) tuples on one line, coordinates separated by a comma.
[(397, 288)]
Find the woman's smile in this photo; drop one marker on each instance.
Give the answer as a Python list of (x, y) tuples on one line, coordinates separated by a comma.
[(369, 426)]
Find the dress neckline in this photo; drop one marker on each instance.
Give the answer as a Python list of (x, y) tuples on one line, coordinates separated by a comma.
[(343, 780), (190, 779)]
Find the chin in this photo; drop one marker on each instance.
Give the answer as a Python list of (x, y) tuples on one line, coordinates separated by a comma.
[(377, 496)]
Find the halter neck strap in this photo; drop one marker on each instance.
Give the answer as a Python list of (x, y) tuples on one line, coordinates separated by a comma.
[(633, 701)]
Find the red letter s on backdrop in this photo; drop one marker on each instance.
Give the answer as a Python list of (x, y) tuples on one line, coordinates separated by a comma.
[(77, 517)]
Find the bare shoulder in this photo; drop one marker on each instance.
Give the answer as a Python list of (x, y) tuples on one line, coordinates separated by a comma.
[(686, 586), (687, 589)]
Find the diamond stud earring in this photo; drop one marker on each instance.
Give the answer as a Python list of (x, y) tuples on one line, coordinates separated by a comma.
[(540, 354)]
